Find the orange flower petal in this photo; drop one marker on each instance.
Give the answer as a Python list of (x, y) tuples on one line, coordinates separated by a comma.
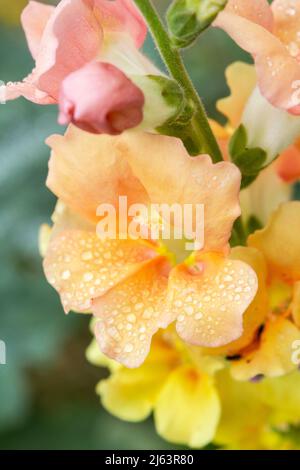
[(288, 164), (81, 267), (84, 171), (209, 304), (130, 314), (280, 243), (170, 176), (257, 311)]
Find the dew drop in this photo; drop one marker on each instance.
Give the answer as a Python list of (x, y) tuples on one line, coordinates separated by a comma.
[(66, 275), (88, 277)]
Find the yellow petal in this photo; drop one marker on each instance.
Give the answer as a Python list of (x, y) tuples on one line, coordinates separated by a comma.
[(187, 409), (82, 267), (219, 131), (244, 415), (273, 356), (279, 241), (131, 313), (241, 79), (280, 295), (209, 303), (282, 395), (130, 394)]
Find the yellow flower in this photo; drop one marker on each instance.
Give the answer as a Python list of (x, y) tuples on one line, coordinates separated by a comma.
[(195, 403)]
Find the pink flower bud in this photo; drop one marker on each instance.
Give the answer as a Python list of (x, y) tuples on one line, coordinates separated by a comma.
[(99, 98)]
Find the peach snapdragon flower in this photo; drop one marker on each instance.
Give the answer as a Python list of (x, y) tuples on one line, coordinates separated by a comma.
[(129, 285), (240, 395), (270, 33)]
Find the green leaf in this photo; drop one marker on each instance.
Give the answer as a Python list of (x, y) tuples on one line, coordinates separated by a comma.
[(180, 124), (238, 235), (253, 224), (238, 141), (247, 180), (251, 161)]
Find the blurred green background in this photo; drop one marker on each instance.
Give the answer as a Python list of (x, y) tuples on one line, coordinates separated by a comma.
[(47, 398)]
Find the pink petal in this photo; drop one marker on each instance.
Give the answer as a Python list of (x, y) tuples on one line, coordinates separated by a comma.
[(72, 38), (65, 38), (61, 49), (28, 89), (99, 98), (34, 19)]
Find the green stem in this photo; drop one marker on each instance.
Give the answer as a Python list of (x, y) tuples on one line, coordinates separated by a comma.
[(202, 134)]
